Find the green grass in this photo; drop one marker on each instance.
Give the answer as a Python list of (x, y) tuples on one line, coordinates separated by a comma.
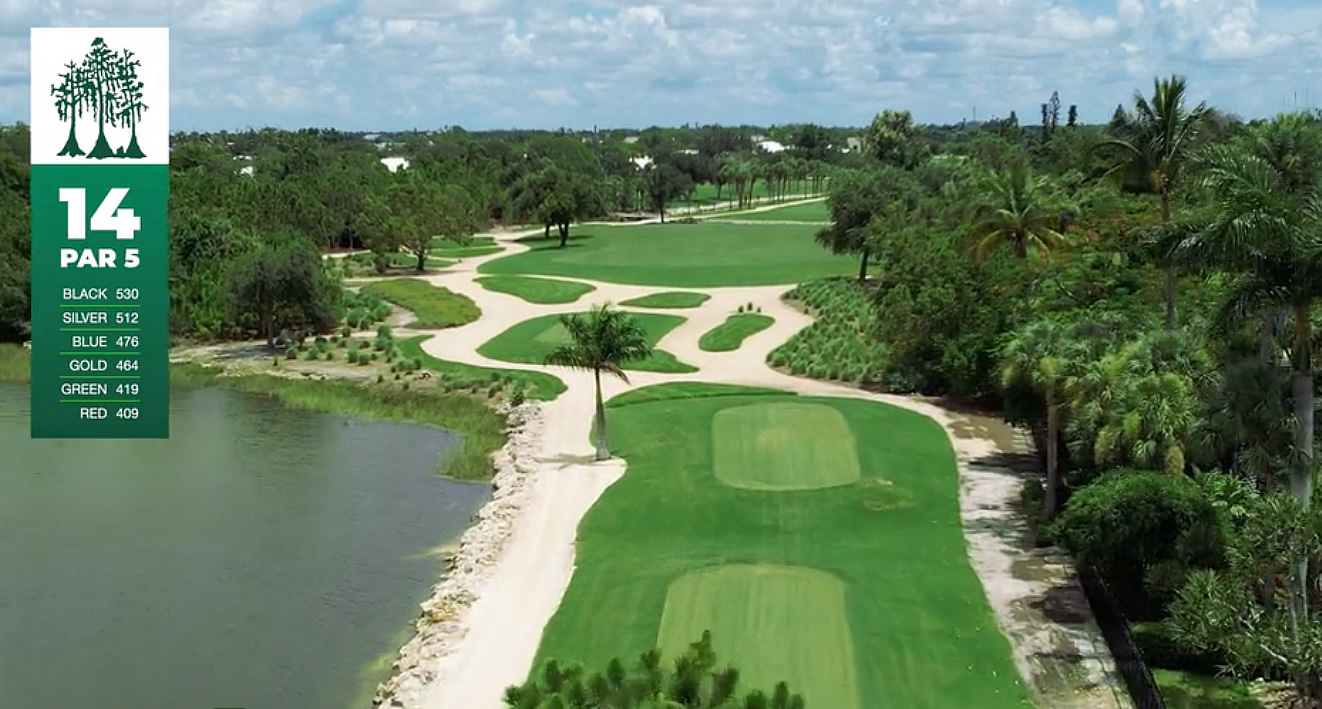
[(745, 604), (730, 335), (811, 212), (434, 307), (530, 341), (923, 635), (1182, 690), (480, 427), (400, 259), (538, 385), (479, 246), (681, 255), (15, 363), (783, 446), (542, 291), (687, 390), (669, 299)]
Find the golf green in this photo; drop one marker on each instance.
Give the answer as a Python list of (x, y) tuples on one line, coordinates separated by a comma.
[(530, 341), (543, 291), (915, 619), (744, 605), (684, 255)]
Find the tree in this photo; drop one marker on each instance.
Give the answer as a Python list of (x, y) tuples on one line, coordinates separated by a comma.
[(602, 340), (861, 202), (100, 70), (71, 100), (129, 102), (1217, 610), (1155, 143), (1020, 212), (894, 138), (663, 183), (282, 285), (692, 683), (1038, 357)]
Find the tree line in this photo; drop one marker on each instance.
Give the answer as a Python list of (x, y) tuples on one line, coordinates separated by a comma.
[(251, 212), (1142, 295)]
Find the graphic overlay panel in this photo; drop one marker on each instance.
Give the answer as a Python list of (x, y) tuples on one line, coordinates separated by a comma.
[(100, 185)]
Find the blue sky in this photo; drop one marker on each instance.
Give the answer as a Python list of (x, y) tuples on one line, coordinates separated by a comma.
[(388, 64)]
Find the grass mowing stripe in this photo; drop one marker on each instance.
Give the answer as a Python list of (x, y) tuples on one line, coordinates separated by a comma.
[(669, 299), (700, 255), (540, 385), (434, 307), (530, 341), (923, 634), (730, 335), (542, 291), (775, 623), (783, 446)]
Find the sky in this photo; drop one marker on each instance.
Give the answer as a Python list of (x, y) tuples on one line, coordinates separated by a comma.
[(481, 64)]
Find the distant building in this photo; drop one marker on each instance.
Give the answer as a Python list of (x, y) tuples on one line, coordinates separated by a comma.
[(395, 164), (642, 162), (689, 151), (371, 137), (770, 146), (853, 144), (631, 140)]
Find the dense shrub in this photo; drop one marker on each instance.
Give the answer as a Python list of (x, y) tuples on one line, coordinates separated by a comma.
[(1143, 530), (841, 343)]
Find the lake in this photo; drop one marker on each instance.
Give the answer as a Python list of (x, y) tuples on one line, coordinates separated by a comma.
[(262, 557)]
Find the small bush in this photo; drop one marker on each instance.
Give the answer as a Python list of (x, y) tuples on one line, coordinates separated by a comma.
[(291, 353)]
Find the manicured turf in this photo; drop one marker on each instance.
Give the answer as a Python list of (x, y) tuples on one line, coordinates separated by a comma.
[(399, 259), (681, 255), (669, 299), (923, 635), (543, 291), (783, 446), (687, 390), (745, 605), (532, 340), (811, 212), (730, 335), (435, 307), (539, 385)]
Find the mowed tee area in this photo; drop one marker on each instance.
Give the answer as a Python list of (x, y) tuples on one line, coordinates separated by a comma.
[(705, 254), (818, 539)]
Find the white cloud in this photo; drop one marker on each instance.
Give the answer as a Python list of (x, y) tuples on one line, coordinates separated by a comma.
[(623, 62)]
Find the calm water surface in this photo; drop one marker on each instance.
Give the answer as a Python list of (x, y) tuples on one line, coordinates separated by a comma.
[(262, 557)]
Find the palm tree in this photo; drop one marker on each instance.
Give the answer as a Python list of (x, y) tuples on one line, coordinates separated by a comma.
[(1017, 214), (1036, 357), (1155, 141), (602, 340), (1273, 236)]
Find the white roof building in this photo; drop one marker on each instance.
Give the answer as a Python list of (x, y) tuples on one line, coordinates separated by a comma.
[(770, 146), (394, 164)]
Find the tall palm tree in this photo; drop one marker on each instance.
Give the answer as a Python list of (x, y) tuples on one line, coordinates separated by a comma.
[(1155, 142), (1273, 237), (601, 340), (1018, 214)]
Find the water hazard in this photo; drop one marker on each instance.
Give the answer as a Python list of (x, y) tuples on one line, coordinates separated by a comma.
[(263, 557)]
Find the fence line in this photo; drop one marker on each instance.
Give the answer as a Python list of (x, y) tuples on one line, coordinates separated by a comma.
[(1134, 671)]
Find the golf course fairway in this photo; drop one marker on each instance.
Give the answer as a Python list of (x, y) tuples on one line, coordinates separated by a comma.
[(851, 581)]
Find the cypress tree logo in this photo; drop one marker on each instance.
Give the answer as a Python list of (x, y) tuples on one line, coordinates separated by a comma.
[(104, 87)]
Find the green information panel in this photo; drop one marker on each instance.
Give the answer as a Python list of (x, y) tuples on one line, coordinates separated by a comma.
[(100, 256)]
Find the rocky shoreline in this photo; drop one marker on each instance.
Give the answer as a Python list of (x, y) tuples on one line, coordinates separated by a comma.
[(443, 622)]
